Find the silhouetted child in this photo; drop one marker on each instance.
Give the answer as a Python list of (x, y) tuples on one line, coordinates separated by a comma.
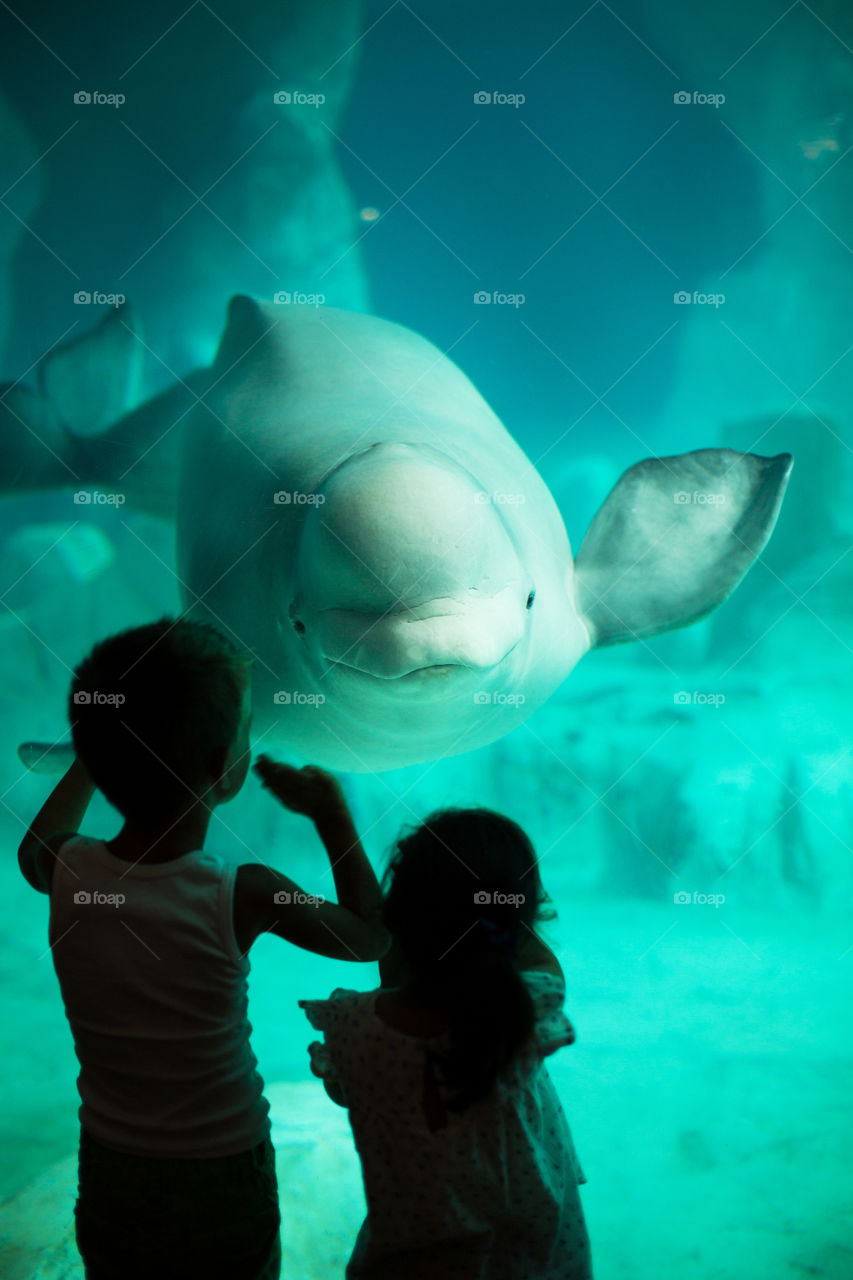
[(468, 1163), (150, 934)]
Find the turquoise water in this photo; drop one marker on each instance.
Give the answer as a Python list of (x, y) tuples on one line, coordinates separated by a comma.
[(663, 275)]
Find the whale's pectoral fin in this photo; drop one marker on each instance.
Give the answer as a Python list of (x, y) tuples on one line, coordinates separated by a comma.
[(673, 539), (92, 380)]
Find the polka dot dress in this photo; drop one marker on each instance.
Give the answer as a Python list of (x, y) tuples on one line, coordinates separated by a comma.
[(490, 1194)]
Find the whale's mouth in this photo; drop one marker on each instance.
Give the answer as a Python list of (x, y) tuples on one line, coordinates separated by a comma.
[(438, 671), (441, 640)]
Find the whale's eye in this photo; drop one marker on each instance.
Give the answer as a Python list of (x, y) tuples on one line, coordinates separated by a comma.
[(530, 599), (299, 627)]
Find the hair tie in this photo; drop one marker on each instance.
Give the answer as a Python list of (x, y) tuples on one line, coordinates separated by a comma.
[(503, 939)]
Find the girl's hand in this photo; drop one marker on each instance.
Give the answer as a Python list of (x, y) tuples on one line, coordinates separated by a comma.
[(310, 791)]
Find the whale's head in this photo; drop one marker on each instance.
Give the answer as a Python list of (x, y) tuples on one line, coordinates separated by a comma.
[(408, 574)]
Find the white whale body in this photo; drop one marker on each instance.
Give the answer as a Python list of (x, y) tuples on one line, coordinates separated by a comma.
[(351, 511)]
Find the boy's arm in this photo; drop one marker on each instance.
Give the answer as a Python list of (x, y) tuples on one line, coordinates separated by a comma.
[(60, 816), (355, 880), (351, 928), (265, 901)]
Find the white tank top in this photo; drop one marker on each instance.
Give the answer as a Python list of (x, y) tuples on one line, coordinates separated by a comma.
[(155, 991)]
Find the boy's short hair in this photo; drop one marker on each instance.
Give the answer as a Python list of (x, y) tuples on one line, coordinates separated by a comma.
[(148, 706)]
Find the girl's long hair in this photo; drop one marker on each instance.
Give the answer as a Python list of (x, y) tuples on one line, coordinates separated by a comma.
[(462, 894)]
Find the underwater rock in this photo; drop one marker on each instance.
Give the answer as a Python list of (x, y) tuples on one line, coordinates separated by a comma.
[(294, 206), (637, 789), (764, 825), (807, 556), (612, 780), (49, 571), (805, 610), (814, 511), (783, 331), (64, 585), (37, 1228), (83, 550), (19, 174)]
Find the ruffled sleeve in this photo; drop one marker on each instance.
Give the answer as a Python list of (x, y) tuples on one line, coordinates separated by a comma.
[(327, 1016), (553, 1029)]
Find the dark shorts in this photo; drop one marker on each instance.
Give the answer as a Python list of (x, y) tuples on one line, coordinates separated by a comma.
[(139, 1217)]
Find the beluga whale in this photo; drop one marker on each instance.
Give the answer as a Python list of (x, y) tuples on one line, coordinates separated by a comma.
[(350, 510)]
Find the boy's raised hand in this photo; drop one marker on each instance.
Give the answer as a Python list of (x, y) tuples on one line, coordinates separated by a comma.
[(318, 795), (310, 791)]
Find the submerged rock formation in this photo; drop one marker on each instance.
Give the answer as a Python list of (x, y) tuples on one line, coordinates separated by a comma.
[(217, 174), (22, 188), (783, 332)]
